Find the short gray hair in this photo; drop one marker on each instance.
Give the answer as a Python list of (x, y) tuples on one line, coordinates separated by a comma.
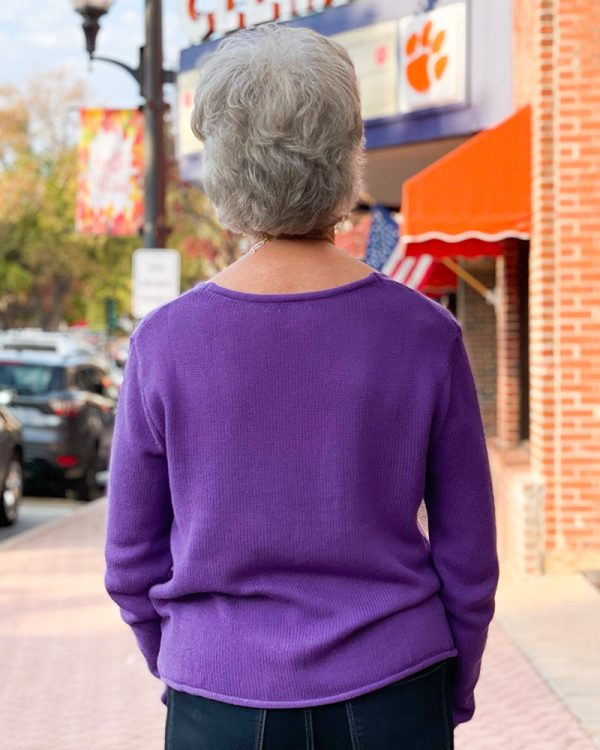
[(278, 111)]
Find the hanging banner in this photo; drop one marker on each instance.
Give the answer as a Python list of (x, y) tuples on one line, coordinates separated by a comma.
[(110, 172)]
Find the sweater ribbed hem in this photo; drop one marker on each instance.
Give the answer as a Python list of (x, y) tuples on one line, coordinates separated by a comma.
[(355, 692)]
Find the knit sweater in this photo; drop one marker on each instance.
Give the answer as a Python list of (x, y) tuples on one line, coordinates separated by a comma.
[(269, 458)]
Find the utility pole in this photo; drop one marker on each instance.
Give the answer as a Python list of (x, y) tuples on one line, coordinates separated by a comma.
[(155, 226)]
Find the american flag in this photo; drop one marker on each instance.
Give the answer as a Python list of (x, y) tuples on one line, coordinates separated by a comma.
[(383, 237), (413, 271)]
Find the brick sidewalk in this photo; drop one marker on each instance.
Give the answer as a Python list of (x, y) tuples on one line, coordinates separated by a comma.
[(73, 678)]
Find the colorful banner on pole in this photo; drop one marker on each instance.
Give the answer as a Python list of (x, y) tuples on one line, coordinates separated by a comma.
[(110, 173)]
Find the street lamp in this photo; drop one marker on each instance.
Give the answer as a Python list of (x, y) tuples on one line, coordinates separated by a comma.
[(150, 77), (91, 12)]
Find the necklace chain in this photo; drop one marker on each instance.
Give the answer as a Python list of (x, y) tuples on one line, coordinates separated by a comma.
[(265, 238), (259, 244)]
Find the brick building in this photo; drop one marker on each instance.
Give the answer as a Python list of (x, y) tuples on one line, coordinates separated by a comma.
[(484, 115), (536, 354), (549, 485)]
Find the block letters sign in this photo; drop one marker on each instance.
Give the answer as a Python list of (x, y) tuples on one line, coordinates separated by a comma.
[(202, 18)]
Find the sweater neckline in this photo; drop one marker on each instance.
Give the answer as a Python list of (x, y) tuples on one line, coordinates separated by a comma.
[(293, 296)]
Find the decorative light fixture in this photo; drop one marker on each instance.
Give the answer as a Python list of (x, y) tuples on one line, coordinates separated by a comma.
[(91, 12)]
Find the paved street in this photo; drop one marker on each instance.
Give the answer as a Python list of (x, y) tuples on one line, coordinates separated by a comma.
[(74, 680)]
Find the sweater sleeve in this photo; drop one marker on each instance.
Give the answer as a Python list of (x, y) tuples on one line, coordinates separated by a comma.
[(137, 547), (461, 524)]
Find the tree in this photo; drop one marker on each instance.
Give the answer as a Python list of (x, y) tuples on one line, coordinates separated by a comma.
[(204, 245), (48, 273)]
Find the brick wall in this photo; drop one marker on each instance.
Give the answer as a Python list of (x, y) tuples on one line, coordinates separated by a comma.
[(508, 335), (556, 46), (573, 528), (478, 321)]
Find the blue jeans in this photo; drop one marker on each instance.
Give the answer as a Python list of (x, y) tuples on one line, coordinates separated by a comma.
[(413, 713)]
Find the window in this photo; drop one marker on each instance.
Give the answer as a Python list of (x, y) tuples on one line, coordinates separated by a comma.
[(89, 378), (31, 379)]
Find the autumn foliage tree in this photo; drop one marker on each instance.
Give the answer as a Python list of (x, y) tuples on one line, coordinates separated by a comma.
[(204, 245), (48, 272)]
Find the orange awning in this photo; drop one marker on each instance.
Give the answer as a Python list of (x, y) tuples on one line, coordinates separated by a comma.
[(473, 197)]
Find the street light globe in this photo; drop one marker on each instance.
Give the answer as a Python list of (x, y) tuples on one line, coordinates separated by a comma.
[(91, 11), (97, 5)]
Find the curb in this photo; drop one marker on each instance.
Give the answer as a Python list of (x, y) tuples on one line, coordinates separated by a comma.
[(17, 539)]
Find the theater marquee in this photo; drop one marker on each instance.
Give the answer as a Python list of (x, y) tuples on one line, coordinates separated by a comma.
[(203, 18)]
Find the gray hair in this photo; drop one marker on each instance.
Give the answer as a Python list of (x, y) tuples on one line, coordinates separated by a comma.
[(278, 111)]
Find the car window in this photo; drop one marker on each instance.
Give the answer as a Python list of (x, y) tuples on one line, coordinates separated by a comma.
[(83, 378), (96, 379), (31, 379)]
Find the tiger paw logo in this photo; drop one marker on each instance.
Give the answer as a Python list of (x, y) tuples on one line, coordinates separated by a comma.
[(426, 61)]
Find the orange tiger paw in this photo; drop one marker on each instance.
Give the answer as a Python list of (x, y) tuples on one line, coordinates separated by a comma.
[(425, 60)]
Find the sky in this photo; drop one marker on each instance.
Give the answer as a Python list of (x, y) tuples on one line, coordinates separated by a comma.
[(39, 37)]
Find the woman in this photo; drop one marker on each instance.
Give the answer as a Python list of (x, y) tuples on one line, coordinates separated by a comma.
[(278, 427)]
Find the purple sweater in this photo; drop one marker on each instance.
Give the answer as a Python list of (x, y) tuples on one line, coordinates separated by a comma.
[(270, 455)]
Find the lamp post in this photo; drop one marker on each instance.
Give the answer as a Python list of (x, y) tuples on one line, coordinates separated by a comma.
[(150, 77)]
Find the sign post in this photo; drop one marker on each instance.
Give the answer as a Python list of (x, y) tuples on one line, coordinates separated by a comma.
[(155, 279)]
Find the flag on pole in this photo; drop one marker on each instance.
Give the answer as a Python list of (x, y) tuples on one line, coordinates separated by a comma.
[(383, 237)]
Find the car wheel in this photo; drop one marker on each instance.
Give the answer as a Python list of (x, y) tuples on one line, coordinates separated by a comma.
[(12, 492), (86, 487)]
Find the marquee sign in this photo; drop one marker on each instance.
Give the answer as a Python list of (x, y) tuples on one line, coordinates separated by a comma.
[(203, 18), (374, 52)]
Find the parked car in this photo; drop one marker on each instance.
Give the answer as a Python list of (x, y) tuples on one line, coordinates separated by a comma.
[(117, 375), (11, 461), (121, 353), (65, 402)]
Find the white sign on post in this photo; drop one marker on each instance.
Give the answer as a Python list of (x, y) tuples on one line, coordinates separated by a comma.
[(155, 279)]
